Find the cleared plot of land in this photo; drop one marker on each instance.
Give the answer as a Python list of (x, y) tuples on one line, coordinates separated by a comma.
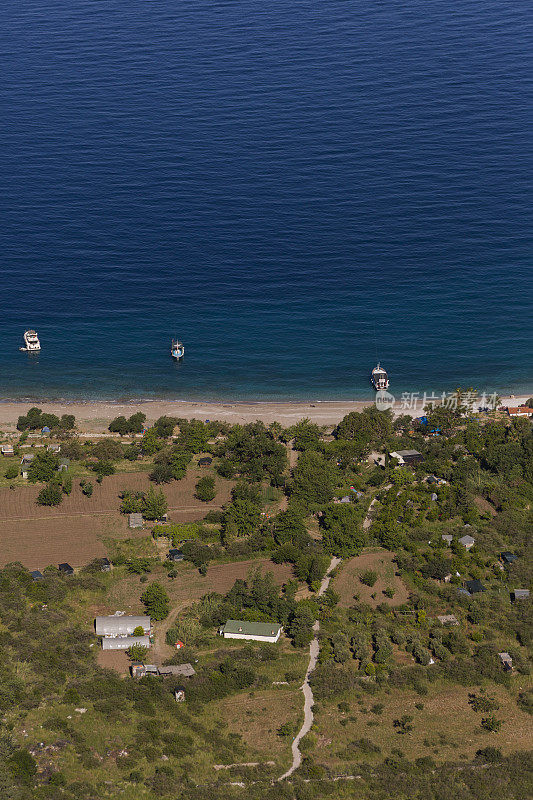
[(444, 726), (257, 716), (189, 586), (37, 543), (38, 535), (116, 660), (184, 590), (347, 583)]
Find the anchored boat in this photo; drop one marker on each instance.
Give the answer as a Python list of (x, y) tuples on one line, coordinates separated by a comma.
[(379, 378), (177, 350), (33, 344)]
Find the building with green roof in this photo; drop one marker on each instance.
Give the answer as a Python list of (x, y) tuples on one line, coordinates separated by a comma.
[(255, 631)]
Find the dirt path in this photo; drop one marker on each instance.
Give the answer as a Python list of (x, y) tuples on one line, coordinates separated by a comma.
[(367, 522), (306, 688)]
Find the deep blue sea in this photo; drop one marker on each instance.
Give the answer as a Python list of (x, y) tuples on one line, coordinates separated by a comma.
[(294, 188)]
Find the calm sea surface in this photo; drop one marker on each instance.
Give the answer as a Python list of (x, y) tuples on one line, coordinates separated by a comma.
[(293, 188)]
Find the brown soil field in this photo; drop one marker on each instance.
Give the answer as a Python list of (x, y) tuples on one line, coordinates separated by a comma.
[(347, 583), (116, 660), (38, 535)]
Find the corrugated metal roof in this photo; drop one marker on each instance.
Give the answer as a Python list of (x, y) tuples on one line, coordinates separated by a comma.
[(186, 670), (252, 628), (120, 626), (123, 642)]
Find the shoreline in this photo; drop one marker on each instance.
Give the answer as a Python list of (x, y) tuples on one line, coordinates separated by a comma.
[(94, 416)]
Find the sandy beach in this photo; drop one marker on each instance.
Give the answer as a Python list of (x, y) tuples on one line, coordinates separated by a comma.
[(96, 416)]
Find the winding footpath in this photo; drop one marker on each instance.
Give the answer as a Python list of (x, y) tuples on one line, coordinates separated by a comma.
[(306, 688)]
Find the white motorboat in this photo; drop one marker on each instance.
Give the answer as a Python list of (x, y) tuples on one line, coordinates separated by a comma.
[(177, 350), (379, 378), (33, 344)]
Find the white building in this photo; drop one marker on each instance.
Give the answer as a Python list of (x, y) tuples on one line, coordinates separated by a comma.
[(123, 642), (254, 631), (111, 627)]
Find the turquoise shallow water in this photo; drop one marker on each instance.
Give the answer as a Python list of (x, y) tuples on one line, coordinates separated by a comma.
[(291, 188)]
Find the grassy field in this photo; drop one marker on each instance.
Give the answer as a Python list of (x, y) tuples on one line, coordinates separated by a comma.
[(444, 725), (347, 583)]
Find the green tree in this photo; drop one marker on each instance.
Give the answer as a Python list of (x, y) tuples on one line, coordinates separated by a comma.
[(87, 488), (119, 425), (369, 577), (50, 495), (107, 450), (313, 480), (343, 531), (404, 724), (164, 426), (150, 443), (154, 504), (306, 435), (242, 518), (156, 601), (205, 489), (301, 625), (132, 502), (137, 652), (12, 471), (23, 766), (43, 467), (103, 468), (491, 724), (136, 422)]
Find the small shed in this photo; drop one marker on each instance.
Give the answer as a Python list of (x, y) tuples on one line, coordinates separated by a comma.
[(123, 642), (105, 565), (135, 520), (467, 541), (36, 575), (27, 458), (54, 448), (508, 558), (8, 450), (447, 537), (179, 695), (205, 461), (520, 594), (434, 496), (475, 586), (407, 456), (66, 569), (507, 661), (46, 429), (175, 555), (345, 499), (463, 592), (137, 670), (64, 465), (183, 670), (448, 619), (151, 669)]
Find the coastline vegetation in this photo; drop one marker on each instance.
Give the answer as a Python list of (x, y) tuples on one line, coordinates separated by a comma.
[(410, 687)]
